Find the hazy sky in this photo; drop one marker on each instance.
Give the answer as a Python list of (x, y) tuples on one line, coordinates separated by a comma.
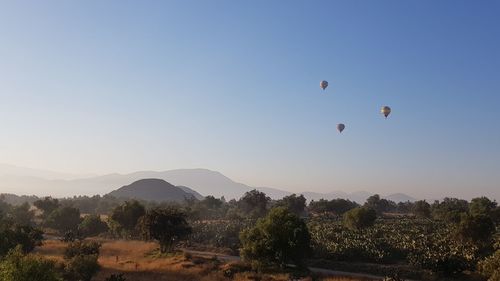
[(233, 86)]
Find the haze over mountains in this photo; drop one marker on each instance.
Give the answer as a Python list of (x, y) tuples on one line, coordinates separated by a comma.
[(18, 180)]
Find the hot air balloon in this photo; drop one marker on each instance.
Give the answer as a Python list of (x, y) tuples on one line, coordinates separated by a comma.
[(340, 127), (385, 111), (323, 84)]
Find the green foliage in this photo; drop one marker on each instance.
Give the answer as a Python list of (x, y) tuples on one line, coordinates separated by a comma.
[(22, 214), (19, 267), (92, 225), (253, 204), (423, 243), (295, 204), (207, 209), (449, 210), (64, 219), (12, 234), (482, 206), (476, 228), (335, 206), (167, 225), (81, 268), (47, 205), (82, 248), (360, 218), (81, 260), (380, 205), (422, 209), (127, 215), (490, 267), (278, 239), (220, 233), (4, 206)]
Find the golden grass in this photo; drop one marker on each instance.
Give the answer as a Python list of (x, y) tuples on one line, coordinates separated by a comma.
[(134, 260)]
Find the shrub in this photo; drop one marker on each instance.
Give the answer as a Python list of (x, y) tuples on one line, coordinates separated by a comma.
[(490, 267), (81, 267), (92, 225), (19, 267), (64, 219), (360, 218), (82, 248)]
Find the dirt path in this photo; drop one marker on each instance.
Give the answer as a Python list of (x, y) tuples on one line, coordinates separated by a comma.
[(312, 269)]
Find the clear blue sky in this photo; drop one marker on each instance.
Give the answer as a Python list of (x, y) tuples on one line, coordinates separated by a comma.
[(233, 86)]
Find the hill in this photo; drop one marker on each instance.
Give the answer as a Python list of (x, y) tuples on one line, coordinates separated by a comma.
[(152, 190)]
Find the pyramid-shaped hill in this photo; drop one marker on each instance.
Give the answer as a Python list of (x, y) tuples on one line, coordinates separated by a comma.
[(153, 190)]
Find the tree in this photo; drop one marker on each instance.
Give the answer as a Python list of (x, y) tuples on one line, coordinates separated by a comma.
[(482, 206), (47, 205), (478, 229), (278, 239), (64, 219), (490, 266), (360, 218), (81, 268), (12, 235), (254, 204), (92, 225), (422, 209), (336, 206), (449, 210), (380, 205), (127, 215), (22, 214), (295, 204), (17, 266), (167, 225), (81, 260), (82, 248), (4, 206)]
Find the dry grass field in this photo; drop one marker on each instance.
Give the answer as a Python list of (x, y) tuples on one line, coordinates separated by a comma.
[(135, 260)]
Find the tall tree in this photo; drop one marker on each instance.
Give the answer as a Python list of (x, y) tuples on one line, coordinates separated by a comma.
[(254, 203), (127, 215), (167, 225), (47, 205), (278, 239), (295, 204), (64, 219)]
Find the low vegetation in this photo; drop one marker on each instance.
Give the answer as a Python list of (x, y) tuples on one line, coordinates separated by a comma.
[(277, 240)]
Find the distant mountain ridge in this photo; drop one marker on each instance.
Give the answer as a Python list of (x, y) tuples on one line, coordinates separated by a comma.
[(154, 190), (199, 182)]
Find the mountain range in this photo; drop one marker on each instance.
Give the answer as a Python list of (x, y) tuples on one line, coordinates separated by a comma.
[(18, 180)]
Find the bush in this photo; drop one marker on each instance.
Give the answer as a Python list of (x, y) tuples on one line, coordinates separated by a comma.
[(19, 267), (278, 239), (64, 219), (478, 229), (82, 248), (490, 267), (360, 218), (92, 225), (12, 235), (81, 267)]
